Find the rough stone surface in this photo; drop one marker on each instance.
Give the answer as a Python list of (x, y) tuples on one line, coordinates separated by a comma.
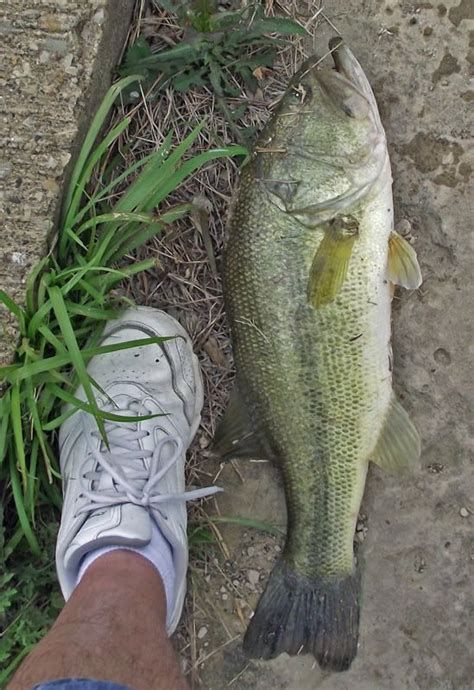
[(58, 57), (416, 627)]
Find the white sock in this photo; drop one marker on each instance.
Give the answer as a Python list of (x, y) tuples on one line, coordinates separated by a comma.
[(158, 552)]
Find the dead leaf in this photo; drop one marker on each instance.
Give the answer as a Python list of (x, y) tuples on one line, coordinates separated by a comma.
[(211, 347)]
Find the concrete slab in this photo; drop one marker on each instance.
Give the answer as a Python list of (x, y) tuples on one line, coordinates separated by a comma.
[(58, 60), (416, 629)]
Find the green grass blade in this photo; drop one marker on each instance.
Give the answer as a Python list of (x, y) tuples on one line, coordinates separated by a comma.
[(281, 25), (50, 493), (151, 177), (93, 132), (75, 352), (129, 241), (19, 442), (92, 312), (52, 339), (131, 270), (75, 238), (119, 217), (80, 404), (31, 292), (89, 166), (162, 152), (39, 438), (4, 424), (188, 167), (32, 478), (97, 296), (20, 508), (16, 310), (78, 274), (39, 318), (39, 367), (5, 372), (144, 193), (136, 239), (56, 422), (58, 361), (12, 543), (247, 522), (129, 344)]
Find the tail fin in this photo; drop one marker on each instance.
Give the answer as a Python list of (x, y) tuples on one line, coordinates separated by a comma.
[(301, 616)]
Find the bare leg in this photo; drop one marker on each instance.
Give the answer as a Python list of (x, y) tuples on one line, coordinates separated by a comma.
[(112, 628)]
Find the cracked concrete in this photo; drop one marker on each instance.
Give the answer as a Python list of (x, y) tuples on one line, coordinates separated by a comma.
[(57, 66), (417, 551)]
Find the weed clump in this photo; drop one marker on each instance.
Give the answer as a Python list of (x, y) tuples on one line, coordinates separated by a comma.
[(227, 50)]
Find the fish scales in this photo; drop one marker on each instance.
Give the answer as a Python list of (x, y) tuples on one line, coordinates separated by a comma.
[(320, 378), (309, 263)]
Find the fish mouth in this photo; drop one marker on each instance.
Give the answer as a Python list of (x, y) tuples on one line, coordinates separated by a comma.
[(348, 67)]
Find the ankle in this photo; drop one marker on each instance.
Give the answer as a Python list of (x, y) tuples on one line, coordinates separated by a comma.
[(121, 567)]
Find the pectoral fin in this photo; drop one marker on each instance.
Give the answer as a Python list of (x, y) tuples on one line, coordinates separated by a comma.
[(398, 447), (329, 268), (403, 266), (237, 434)]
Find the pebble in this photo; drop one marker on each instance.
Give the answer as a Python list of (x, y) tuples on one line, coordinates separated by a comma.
[(56, 45), (225, 596), (202, 632), (464, 512), (99, 17), (253, 576), (251, 551), (5, 169), (404, 226)]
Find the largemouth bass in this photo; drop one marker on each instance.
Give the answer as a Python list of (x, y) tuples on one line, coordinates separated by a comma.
[(310, 264)]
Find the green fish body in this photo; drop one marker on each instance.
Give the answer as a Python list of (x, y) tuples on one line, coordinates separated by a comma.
[(308, 297)]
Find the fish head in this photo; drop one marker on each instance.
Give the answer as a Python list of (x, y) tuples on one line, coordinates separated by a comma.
[(325, 147)]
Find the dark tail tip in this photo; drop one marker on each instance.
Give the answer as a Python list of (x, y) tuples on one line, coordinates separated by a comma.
[(301, 616)]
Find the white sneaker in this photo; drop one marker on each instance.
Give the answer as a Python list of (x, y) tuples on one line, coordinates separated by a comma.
[(112, 495)]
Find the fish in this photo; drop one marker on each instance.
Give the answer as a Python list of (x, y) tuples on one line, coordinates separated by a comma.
[(310, 264)]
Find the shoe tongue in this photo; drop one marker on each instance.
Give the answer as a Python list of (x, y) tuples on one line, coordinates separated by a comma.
[(123, 525)]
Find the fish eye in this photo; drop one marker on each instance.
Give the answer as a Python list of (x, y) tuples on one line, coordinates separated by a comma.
[(301, 93)]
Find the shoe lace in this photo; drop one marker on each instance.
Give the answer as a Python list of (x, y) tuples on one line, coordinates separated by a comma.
[(133, 480)]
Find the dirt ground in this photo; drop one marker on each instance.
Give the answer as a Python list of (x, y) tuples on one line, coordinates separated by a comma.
[(415, 533)]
